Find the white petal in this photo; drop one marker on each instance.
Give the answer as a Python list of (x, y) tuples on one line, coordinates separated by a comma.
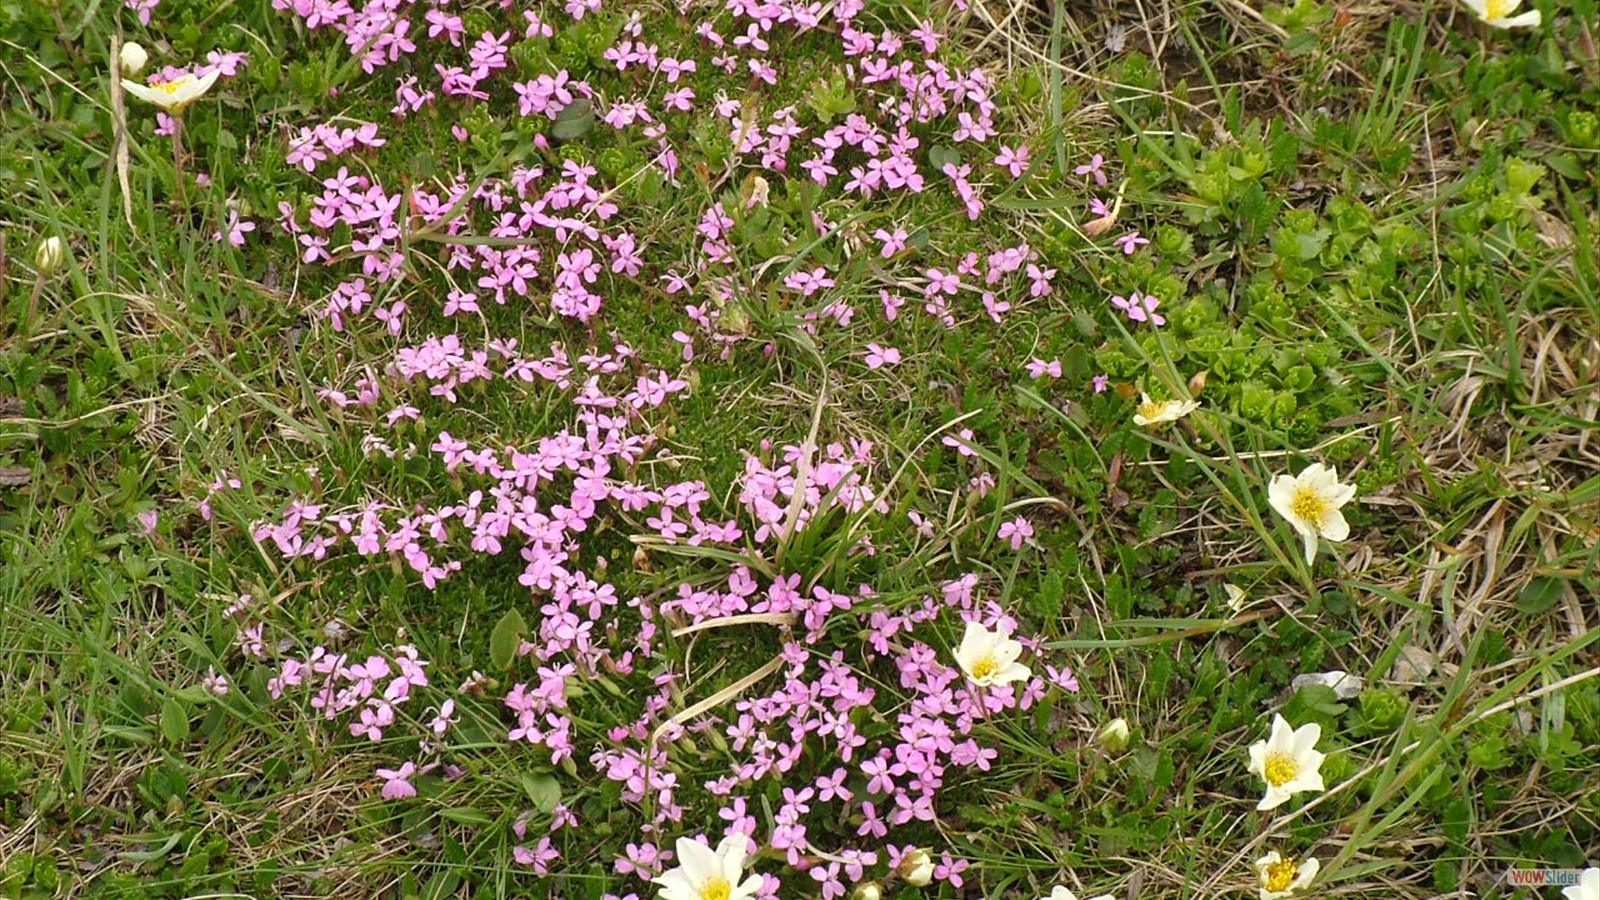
[(1280, 496), (1013, 672), (698, 861), (1308, 870), (1310, 538), (1334, 527), (1258, 759), (1478, 6), (149, 94), (1529, 19)]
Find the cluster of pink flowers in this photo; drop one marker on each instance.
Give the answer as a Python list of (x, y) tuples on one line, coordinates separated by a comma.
[(859, 761)]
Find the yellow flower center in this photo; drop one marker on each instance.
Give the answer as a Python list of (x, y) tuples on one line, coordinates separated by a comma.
[(716, 889), (1281, 768), (985, 667), (1280, 875), (1309, 506), (171, 87), (1152, 409), (1498, 9)]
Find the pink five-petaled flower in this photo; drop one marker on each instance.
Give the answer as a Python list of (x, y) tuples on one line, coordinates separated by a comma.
[(1016, 531), (1140, 308), (893, 242), (397, 782), (877, 356), (235, 229), (1014, 161), (1100, 383), (1130, 242), (1038, 368), (1092, 167)]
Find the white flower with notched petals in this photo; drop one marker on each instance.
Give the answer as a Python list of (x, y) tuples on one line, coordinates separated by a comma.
[(1288, 761), (1152, 412), (173, 95), (706, 874), (1281, 877), (1498, 13), (1587, 888), (1311, 501), (990, 657)]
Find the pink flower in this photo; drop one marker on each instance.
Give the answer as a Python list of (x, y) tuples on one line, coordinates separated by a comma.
[(397, 782), (1014, 161), (1093, 167), (1100, 383), (893, 242), (1017, 531), (1140, 308), (1130, 242), (1038, 368), (235, 228), (878, 357)]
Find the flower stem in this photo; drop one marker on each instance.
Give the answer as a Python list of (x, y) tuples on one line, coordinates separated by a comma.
[(177, 160)]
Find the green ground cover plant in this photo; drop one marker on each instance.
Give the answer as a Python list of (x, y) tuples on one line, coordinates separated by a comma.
[(711, 450)]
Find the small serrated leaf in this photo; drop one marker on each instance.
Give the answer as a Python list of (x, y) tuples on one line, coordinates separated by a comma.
[(506, 639)]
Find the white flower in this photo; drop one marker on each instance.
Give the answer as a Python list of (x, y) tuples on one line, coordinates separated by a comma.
[(1587, 888), (1343, 683), (1061, 892), (1288, 760), (1281, 877), (1151, 412), (916, 867), (1237, 598), (1311, 501), (990, 657), (173, 95), (1114, 737), (707, 874), (52, 253), (131, 59), (1497, 13)]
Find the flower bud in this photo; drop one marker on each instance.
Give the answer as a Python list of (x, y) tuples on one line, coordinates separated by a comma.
[(916, 867), (1114, 737), (50, 256), (866, 890), (131, 60)]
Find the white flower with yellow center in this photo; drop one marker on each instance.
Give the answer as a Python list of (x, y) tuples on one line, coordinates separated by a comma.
[(707, 874), (1153, 412), (990, 657), (1311, 501), (1288, 761), (173, 95), (1281, 877), (1587, 888), (1497, 13)]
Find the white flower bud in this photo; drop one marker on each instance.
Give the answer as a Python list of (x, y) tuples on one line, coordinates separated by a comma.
[(131, 60), (51, 255), (1114, 737), (867, 890), (916, 867)]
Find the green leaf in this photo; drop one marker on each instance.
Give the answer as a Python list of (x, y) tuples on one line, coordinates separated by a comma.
[(467, 815), (543, 790), (574, 120), (174, 721), (1540, 594), (506, 638)]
